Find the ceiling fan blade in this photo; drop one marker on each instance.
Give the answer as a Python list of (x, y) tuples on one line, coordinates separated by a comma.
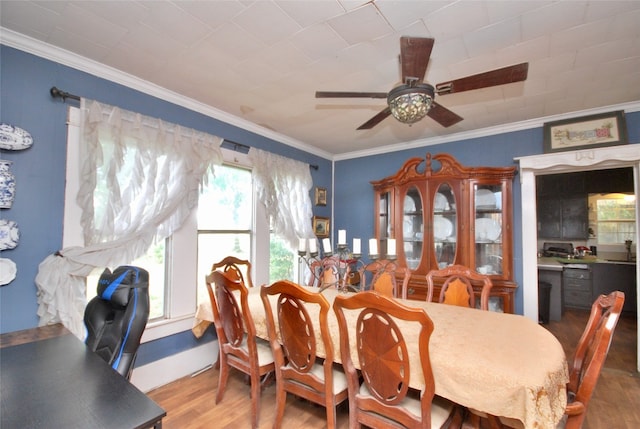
[(496, 77), (414, 57), (338, 94), (375, 120), (443, 116)]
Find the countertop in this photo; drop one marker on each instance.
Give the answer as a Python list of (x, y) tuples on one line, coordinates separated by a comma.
[(551, 264), (554, 264)]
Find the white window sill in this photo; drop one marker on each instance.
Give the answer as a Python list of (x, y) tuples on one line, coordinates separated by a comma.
[(164, 328)]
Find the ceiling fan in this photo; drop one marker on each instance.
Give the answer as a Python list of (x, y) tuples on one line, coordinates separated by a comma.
[(412, 100)]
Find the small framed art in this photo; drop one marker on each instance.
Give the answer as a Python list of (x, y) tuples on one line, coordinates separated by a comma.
[(321, 227), (321, 196)]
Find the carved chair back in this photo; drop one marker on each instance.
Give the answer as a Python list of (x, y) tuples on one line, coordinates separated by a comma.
[(385, 277), (235, 268), (293, 341), (325, 272), (383, 360), (457, 287)]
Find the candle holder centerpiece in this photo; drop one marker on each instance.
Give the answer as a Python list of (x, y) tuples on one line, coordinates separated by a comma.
[(335, 269)]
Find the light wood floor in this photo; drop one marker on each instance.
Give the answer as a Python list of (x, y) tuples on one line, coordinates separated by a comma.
[(190, 402)]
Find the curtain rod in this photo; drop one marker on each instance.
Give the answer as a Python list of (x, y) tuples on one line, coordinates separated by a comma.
[(55, 93), (243, 148)]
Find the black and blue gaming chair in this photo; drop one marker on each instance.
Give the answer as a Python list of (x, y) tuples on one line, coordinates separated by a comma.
[(116, 318)]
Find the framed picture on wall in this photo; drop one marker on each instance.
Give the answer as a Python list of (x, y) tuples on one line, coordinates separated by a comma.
[(605, 129), (321, 226), (321, 196)]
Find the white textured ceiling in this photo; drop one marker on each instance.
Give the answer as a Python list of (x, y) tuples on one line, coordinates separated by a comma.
[(262, 61)]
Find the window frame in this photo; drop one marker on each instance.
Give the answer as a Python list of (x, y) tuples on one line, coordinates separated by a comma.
[(181, 255), (595, 199), (203, 295)]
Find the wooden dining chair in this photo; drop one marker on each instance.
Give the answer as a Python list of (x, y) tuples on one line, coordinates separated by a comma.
[(299, 370), (588, 359), (385, 276), (384, 399), (325, 272), (239, 347), (457, 288), (236, 268), (590, 356)]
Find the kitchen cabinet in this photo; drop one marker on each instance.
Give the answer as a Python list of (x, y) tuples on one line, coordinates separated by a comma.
[(549, 218), (610, 276), (442, 213), (581, 286), (563, 218), (562, 200), (577, 287), (562, 206), (575, 218), (589, 182), (609, 180), (561, 185)]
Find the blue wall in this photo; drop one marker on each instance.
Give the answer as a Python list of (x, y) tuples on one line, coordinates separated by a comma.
[(25, 81), (353, 204), (40, 170)]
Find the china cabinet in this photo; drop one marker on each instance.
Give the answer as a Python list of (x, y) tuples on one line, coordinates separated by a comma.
[(443, 213)]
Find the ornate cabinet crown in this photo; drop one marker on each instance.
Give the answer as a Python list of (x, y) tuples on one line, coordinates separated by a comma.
[(443, 213)]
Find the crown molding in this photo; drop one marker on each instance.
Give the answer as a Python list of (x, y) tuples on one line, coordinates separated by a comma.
[(490, 131)]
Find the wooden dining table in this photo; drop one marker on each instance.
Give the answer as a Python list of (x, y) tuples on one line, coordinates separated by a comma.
[(501, 364)]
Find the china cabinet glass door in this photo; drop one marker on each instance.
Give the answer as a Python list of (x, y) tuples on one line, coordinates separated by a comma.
[(444, 226), (488, 228), (412, 227), (384, 220)]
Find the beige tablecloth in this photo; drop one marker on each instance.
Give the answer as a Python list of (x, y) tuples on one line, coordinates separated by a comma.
[(502, 364)]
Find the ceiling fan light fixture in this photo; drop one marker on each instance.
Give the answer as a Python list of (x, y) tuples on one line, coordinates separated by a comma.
[(409, 104)]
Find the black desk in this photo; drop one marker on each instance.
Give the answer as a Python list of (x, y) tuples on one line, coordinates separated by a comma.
[(58, 383)]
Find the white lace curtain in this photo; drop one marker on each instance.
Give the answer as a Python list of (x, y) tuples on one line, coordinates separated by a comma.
[(283, 186), (140, 178)]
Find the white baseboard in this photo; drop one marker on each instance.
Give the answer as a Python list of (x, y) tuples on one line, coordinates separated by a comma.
[(171, 368)]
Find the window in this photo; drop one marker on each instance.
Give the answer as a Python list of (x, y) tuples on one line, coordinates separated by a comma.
[(226, 210), (281, 261), (225, 220), (615, 217), (154, 262), (228, 221)]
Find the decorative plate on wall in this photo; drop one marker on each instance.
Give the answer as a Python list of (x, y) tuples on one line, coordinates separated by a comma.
[(9, 234), (8, 271), (7, 184), (14, 138)]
